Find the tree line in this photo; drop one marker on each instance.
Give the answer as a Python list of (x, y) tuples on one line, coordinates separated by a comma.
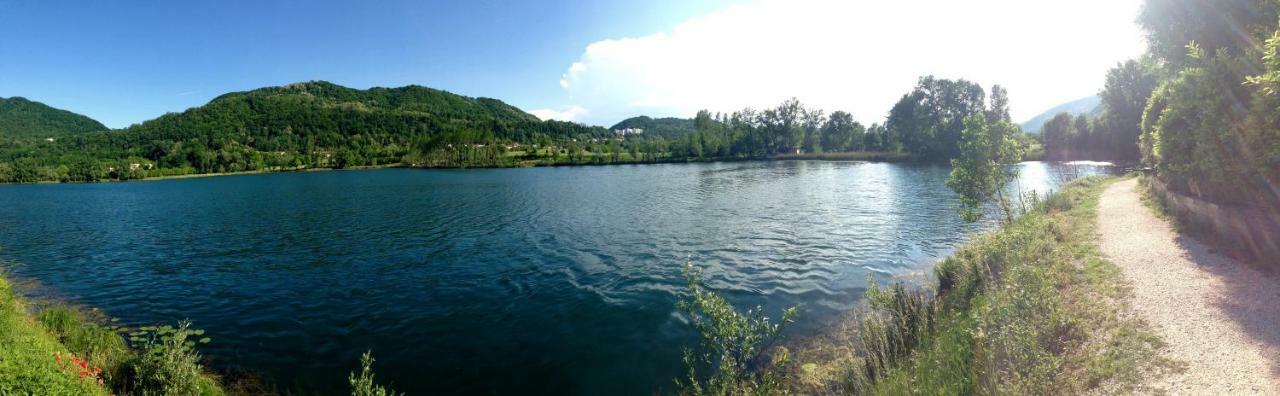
[(1113, 133), (323, 125)]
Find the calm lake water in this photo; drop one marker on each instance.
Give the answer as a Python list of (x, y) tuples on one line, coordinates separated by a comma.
[(506, 281)]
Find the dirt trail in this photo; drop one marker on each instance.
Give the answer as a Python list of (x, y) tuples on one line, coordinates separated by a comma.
[(1219, 316)]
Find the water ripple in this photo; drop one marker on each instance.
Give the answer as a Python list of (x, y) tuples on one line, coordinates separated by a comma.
[(515, 281)]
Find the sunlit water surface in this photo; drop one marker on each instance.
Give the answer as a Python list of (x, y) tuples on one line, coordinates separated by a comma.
[(508, 281)]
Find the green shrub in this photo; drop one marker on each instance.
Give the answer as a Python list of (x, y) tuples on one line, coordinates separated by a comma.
[(363, 385), (168, 363), (735, 347)]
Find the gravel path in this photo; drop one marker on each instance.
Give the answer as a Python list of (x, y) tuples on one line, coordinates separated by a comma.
[(1217, 315)]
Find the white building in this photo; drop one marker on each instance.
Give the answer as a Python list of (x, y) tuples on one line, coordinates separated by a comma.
[(628, 131)]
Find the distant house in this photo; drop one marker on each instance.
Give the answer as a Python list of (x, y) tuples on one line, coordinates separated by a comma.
[(628, 131)]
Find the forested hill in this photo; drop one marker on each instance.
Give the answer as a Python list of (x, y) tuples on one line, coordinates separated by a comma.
[(303, 125), (669, 127), (285, 118), (24, 119), (1089, 106)]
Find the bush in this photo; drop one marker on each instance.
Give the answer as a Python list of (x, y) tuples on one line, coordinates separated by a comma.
[(1211, 129), (168, 363), (735, 347), (363, 385)]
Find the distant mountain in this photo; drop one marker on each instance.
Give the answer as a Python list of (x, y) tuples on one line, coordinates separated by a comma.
[(658, 127), (1091, 105), (24, 119)]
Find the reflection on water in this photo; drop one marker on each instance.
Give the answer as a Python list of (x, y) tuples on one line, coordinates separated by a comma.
[(509, 281)]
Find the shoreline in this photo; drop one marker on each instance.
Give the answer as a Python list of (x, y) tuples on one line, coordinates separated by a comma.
[(984, 299), (872, 157), (884, 157)]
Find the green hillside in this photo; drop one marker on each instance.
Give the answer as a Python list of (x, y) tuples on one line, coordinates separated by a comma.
[(304, 125), (24, 119), (669, 127)]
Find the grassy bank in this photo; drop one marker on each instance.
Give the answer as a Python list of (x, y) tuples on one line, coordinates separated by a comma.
[(1032, 308), (62, 351)]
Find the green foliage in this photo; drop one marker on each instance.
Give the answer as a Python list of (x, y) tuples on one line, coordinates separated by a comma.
[(929, 120), (363, 384), (899, 319), (1029, 309), (305, 125), (28, 364), (735, 346), (1113, 134), (1212, 128), (168, 364), (983, 167), (667, 128), (323, 125), (1230, 26), (1203, 141), (1124, 97), (24, 119), (43, 354), (841, 133), (99, 345)]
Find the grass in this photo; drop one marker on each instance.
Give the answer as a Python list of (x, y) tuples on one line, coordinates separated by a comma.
[(61, 350), (41, 351), (27, 363), (1033, 308)]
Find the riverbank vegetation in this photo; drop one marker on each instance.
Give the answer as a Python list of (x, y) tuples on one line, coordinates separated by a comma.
[(62, 351), (55, 349), (1200, 108), (323, 125), (1212, 127), (1032, 308), (1113, 133)]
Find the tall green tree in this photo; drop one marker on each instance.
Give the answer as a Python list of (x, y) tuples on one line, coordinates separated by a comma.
[(1057, 133), (999, 110), (841, 133), (1124, 97), (930, 119), (984, 166)]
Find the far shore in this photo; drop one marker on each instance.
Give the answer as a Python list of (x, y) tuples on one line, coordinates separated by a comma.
[(868, 156), (856, 156)]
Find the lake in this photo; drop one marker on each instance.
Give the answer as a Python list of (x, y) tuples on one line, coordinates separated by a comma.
[(506, 281)]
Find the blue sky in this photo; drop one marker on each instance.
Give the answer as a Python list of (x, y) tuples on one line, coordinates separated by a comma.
[(589, 61), (129, 61)]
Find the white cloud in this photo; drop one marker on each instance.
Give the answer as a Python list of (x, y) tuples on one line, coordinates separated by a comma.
[(859, 56), (570, 113)]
